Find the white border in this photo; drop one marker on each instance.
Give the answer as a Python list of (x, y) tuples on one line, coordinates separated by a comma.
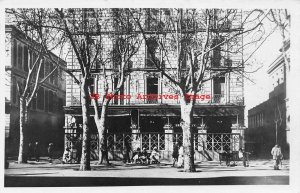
[(292, 5)]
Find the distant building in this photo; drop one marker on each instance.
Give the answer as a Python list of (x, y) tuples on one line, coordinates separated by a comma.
[(265, 117), (46, 117)]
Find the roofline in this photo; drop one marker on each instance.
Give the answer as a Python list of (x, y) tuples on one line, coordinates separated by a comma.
[(17, 32)]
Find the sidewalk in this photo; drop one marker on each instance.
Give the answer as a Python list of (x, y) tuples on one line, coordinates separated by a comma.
[(162, 170), (45, 174)]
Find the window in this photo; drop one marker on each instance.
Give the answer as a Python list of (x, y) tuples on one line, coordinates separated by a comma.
[(117, 59), (118, 100), (33, 103), (42, 74), (51, 102), (47, 102), (152, 49), (60, 104), (183, 53), (216, 52), (20, 56), (14, 90), (153, 19), (15, 53), (152, 89), (55, 75), (40, 99), (219, 89), (125, 25), (25, 58), (51, 78), (34, 58)]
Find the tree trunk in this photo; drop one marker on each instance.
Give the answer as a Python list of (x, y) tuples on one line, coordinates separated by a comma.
[(85, 156), (188, 144), (103, 152), (23, 111)]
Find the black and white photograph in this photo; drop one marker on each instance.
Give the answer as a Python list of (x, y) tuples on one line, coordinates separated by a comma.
[(149, 95)]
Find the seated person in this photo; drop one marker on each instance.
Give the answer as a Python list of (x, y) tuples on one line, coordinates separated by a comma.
[(144, 156), (136, 155), (154, 157)]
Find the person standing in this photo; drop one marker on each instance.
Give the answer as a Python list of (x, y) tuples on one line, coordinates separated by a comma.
[(50, 152), (127, 152), (244, 157), (30, 151), (227, 155), (180, 157), (277, 156), (37, 152), (79, 149), (175, 153)]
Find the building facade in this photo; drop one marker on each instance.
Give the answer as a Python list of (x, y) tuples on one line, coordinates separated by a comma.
[(46, 117), (147, 122), (268, 122)]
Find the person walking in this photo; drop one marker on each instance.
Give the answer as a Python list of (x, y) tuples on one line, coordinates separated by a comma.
[(277, 156), (37, 151), (175, 153)]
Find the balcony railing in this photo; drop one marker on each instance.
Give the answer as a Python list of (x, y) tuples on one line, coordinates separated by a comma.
[(216, 99)]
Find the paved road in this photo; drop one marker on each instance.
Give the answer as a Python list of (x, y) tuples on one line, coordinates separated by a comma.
[(119, 174)]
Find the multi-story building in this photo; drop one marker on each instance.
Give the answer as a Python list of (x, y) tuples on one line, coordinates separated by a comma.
[(268, 122), (46, 117), (218, 113)]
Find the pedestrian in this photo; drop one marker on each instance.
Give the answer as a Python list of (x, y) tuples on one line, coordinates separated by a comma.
[(277, 156), (175, 153), (37, 151), (127, 152), (50, 152), (180, 157), (30, 151)]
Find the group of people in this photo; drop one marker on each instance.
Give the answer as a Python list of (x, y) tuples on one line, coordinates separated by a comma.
[(142, 157), (34, 151)]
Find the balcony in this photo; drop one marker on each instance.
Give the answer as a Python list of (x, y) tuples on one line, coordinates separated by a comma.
[(216, 99)]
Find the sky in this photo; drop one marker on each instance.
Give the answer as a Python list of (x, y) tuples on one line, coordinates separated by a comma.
[(257, 91)]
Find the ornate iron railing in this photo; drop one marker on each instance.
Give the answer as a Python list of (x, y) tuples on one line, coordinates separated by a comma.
[(209, 142)]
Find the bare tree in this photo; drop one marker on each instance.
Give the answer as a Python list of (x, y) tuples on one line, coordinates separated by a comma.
[(126, 44), (281, 17), (198, 39), (89, 48), (40, 43)]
